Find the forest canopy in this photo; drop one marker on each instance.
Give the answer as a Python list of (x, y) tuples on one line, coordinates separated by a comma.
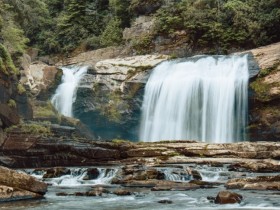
[(59, 26)]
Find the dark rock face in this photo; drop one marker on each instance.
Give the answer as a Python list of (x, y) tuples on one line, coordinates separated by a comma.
[(227, 197)]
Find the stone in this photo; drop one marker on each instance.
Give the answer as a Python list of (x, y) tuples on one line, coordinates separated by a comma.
[(165, 201), (22, 181), (257, 183), (38, 76), (142, 26), (62, 194), (121, 70), (257, 166), (15, 194), (56, 172), (97, 191), (92, 173), (8, 115), (122, 192), (227, 197)]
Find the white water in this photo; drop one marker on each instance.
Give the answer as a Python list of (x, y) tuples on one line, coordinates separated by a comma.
[(65, 94), (200, 99), (76, 177)]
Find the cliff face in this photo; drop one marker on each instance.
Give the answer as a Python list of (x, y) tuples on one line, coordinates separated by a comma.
[(264, 110), (13, 99), (110, 95)]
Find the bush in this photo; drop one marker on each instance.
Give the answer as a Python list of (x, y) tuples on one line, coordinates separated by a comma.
[(112, 35), (20, 89), (92, 43), (6, 63), (12, 103)]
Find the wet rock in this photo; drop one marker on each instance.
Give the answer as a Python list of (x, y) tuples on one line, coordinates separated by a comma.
[(174, 186), (98, 191), (8, 115), (211, 199), (227, 197), (258, 183), (62, 194), (165, 201), (204, 184), (79, 194), (256, 166), (23, 181), (15, 194), (195, 174), (56, 172), (121, 192), (92, 173)]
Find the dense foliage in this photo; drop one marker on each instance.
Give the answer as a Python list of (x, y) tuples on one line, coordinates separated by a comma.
[(58, 26), (222, 24)]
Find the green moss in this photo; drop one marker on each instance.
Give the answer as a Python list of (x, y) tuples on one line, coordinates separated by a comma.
[(267, 71), (111, 109), (172, 154), (6, 63), (12, 103), (261, 89), (120, 141), (45, 111), (32, 128), (20, 89)]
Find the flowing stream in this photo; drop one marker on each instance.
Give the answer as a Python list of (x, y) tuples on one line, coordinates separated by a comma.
[(80, 180), (65, 94), (202, 98)]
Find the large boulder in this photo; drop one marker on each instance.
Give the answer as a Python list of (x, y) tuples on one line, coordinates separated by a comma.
[(19, 186), (227, 197), (14, 194), (39, 77)]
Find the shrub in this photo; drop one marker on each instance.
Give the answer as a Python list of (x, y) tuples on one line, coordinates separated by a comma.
[(12, 103), (112, 35)]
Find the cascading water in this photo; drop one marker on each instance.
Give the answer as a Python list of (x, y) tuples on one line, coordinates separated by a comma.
[(204, 98), (65, 94)]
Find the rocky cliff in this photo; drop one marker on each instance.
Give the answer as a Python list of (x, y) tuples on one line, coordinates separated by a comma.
[(110, 95), (264, 106)]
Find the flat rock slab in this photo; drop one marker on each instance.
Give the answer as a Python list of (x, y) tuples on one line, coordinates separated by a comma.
[(258, 183), (15, 194), (22, 181)]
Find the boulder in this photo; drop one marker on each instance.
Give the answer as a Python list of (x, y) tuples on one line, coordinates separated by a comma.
[(56, 172), (22, 181), (92, 173), (122, 192), (15, 194), (39, 76), (227, 197)]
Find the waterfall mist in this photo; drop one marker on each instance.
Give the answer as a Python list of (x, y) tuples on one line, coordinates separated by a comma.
[(65, 94), (204, 98)]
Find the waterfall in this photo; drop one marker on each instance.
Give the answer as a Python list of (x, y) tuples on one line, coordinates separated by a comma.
[(65, 94), (203, 98)]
